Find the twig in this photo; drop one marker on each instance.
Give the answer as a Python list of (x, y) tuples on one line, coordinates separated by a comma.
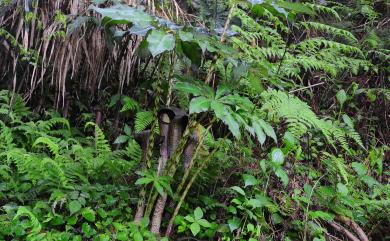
[(306, 87)]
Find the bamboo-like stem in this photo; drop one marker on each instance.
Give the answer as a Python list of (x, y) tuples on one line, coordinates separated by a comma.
[(148, 157), (193, 158), (185, 192), (170, 171)]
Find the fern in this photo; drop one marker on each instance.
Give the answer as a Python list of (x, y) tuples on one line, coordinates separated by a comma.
[(129, 104), (34, 222), (6, 137), (53, 147), (324, 10), (143, 119), (134, 151), (101, 144), (338, 166), (319, 43), (330, 30), (300, 118)]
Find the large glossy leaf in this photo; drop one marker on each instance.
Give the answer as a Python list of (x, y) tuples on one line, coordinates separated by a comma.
[(192, 51), (159, 42), (122, 14)]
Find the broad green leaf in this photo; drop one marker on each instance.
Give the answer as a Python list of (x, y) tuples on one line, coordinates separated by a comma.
[(189, 218), (250, 228), (320, 214), (249, 180), (159, 188), (195, 228), (102, 213), (114, 99), (279, 172), (234, 223), (198, 213), (74, 206), (159, 42), (193, 52), (342, 189), (145, 222), (359, 168), (268, 129), (88, 214), (127, 130), (122, 14), (222, 90), (165, 184), (199, 104), (295, 6), (259, 132), (88, 230), (276, 218), (186, 36), (238, 190), (138, 236), (277, 156), (341, 97), (144, 180), (222, 112), (121, 139), (189, 88), (255, 203), (204, 223)]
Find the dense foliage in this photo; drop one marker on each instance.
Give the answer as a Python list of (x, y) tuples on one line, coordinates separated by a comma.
[(203, 120)]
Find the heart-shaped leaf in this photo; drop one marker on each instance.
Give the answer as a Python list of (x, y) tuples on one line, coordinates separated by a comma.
[(159, 42)]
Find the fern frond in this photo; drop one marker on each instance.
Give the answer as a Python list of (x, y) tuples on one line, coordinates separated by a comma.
[(143, 119), (319, 43), (101, 144), (324, 10), (47, 125), (53, 147), (35, 224), (134, 151), (330, 30), (299, 117), (129, 104)]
